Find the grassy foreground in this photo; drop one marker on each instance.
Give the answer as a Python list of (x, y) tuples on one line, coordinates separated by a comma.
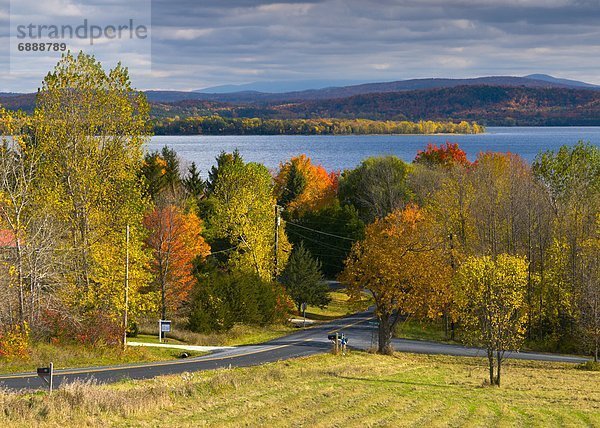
[(355, 390)]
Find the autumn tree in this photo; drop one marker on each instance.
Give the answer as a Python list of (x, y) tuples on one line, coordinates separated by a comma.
[(446, 155), (589, 304), (91, 126), (301, 186), (402, 263), (224, 160), (241, 211), (303, 280), (376, 188), (175, 241), (29, 232), (571, 179), (490, 293)]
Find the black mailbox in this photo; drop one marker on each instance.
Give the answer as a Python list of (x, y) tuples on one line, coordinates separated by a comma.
[(43, 370)]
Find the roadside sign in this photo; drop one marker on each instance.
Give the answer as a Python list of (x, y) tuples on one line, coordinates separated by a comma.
[(164, 326)]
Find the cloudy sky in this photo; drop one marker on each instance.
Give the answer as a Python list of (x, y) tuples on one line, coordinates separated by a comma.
[(198, 43)]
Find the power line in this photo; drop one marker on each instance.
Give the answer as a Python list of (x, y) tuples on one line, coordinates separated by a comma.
[(221, 251), (323, 233), (328, 246)]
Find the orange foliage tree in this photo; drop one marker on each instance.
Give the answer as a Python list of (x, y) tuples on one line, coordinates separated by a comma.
[(447, 155), (403, 264), (301, 186), (175, 241)]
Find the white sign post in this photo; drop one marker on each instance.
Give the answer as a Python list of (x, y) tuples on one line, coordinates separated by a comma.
[(164, 326)]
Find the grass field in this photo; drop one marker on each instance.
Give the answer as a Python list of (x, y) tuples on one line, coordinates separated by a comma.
[(348, 391), (239, 335), (421, 330), (339, 306), (68, 356)]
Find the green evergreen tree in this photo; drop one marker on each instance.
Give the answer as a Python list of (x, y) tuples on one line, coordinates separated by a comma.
[(193, 183), (303, 280), (295, 185)]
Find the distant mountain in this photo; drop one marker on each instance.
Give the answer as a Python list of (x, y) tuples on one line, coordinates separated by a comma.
[(486, 104), (397, 86), (495, 100), (567, 82), (489, 105), (280, 86), (12, 101), (264, 94)]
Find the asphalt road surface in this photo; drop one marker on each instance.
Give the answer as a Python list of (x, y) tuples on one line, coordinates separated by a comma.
[(360, 329)]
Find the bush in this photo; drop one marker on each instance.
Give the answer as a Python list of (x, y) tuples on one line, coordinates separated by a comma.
[(221, 300), (14, 342), (92, 328), (133, 329)]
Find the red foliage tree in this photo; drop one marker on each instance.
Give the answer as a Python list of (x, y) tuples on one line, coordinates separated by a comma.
[(175, 240), (446, 155)]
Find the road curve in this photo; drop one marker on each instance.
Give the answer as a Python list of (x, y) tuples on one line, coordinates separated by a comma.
[(359, 328)]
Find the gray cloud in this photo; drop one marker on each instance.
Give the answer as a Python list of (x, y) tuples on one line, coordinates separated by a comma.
[(203, 43)]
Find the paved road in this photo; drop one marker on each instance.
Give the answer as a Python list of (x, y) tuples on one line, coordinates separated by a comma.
[(359, 328)]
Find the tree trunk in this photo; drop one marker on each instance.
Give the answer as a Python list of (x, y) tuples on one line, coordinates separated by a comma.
[(385, 335), (446, 326), (163, 298), (20, 279), (499, 361), (491, 362)]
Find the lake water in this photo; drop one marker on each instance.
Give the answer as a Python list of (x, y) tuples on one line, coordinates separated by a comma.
[(347, 151)]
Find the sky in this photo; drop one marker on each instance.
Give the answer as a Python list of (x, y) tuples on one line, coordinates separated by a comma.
[(196, 44)]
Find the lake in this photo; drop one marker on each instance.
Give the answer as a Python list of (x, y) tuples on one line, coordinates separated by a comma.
[(346, 151)]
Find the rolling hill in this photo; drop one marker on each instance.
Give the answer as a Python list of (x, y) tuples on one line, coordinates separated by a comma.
[(500, 100)]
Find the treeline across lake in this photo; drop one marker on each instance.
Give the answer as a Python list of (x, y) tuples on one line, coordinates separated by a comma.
[(217, 125)]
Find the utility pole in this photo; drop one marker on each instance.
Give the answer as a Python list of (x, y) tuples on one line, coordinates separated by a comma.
[(126, 288), (277, 224), (453, 266)]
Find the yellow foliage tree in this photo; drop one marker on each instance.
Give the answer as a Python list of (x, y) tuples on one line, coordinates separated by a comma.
[(91, 126), (403, 264), (490, 295), (242, 210)]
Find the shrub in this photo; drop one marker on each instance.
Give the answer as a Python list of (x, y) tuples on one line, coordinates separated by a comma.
[(93, 328), (14, 342), (221, 300)]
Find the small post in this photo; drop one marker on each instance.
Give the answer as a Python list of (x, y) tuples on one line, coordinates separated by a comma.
[(336, 342), (304, 314), (50, 385), (47, 375), (126, 288), (277, 224), (159, 331)]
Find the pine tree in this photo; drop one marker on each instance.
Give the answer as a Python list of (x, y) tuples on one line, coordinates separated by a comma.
[(303, 280), (193, 182)]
